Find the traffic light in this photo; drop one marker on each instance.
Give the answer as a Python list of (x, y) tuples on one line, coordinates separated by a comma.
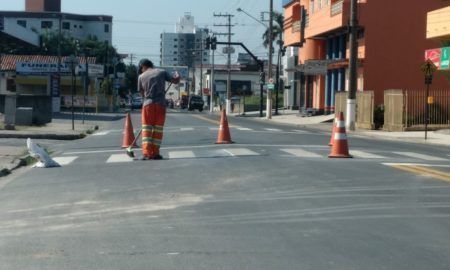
[(213, 43), (262, 77), (208, 43)]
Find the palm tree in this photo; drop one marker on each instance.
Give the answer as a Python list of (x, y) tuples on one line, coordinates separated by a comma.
[(277, 35), (277, 30)]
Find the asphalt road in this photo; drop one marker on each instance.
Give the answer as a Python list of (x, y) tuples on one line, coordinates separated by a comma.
[(272, 200)]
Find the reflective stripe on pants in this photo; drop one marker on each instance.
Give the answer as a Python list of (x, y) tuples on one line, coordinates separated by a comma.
[(153, 118)]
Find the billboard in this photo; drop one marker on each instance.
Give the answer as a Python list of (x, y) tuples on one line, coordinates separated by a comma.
[(38, 68)]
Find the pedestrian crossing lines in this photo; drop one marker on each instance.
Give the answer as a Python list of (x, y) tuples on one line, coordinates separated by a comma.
[(202, 128), (312, 153)]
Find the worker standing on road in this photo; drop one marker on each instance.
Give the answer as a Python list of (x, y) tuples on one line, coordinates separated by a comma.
[(151, 84)]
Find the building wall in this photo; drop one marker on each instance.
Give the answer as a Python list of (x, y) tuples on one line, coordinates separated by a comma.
[(79, 29), (43, 5), (395, 45), (177, 49)]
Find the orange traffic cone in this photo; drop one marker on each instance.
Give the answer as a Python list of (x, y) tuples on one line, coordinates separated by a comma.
[(339, 149), (332, 132), (224, 131), (128, 133)]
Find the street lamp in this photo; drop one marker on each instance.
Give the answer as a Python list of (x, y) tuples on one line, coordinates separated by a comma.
[(72, 61)]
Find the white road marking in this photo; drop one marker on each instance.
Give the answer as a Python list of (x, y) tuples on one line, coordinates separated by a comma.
[(420, 156), (64, 160), (119, 158), (299, 131), (93, 152), (103, 133), (244, 129), (417, 164), (362, 154), (236, 152), (273, 129), (301, 153), (181, 154), (214, 128), (187, 129)]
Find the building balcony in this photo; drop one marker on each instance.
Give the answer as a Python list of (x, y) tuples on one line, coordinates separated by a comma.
[(292, 25), (328, 19)]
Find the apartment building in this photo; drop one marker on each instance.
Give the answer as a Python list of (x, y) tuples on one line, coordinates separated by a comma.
[(391, 44), (42, 16)]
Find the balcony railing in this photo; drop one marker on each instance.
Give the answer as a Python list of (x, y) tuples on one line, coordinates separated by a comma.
[(296, 27), (337, 8)]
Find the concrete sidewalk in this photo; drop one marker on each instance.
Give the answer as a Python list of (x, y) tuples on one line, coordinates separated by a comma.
[(324, 123), (13, 151)]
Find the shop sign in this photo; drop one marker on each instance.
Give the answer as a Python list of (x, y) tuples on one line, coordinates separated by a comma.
[(434, 55), (445, 58), (37, 68)]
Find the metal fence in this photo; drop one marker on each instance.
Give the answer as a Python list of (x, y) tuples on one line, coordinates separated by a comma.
[(405, 109)]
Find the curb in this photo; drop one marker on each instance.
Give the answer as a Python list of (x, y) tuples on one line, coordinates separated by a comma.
[(63, 137)]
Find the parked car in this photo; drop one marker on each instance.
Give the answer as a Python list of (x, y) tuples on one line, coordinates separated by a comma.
[(196, 102)]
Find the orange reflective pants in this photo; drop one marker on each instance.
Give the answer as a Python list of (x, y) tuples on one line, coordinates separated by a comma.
[(153, 118)]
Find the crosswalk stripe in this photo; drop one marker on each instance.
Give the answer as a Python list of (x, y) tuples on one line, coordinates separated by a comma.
[(119, 158), (420, 156), (236, 152), (214, 128), (299, 131), (186, 129), (273, 129), (181, 154), (103, 133), (244, 129), (362, 154), (64, 160), (301, 153)]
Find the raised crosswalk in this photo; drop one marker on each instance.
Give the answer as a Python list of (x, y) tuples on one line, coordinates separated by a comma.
[(255, 151)]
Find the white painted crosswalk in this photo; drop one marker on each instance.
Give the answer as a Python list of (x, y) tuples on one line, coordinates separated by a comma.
[(306, 152), (301, 153)]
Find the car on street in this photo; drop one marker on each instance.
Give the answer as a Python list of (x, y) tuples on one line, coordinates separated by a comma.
[(196, 103), (136, 103)]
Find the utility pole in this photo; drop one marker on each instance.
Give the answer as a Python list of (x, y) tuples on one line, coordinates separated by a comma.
[(270, 75), (229, 34), (353, 75)]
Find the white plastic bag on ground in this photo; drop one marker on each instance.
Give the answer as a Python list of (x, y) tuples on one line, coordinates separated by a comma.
[(44, 160)]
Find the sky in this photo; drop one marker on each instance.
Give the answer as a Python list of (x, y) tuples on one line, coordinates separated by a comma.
[(137, 24)]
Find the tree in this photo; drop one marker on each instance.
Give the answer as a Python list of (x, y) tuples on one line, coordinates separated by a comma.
[(131, 76), (277, 31), (90, 47)]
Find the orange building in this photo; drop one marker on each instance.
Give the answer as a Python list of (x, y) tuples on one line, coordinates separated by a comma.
[(391, 45)]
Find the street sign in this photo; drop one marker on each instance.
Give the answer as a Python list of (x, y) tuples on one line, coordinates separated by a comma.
[(428, 68), (430, 100), (271, 86), (271, 81), (230, 49), (315, 67)]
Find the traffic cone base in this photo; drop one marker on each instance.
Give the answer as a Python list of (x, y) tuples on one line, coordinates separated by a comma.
[(339, 148), (128, 133), (224, 136)]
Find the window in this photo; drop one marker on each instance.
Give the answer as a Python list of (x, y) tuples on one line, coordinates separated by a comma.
[(175, 46), (175, 39), (81, 27), (22, 23), (75, 26), (106, 28), (46, 24), (175, 59), (66, 25)]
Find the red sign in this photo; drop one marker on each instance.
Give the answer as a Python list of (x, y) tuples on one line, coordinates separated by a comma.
[(434, 55), (206, 91)]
